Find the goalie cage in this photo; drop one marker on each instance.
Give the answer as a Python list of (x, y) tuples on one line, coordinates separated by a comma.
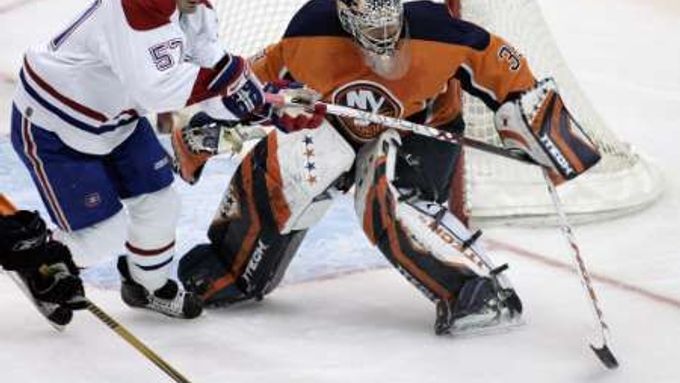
[(494, 189)]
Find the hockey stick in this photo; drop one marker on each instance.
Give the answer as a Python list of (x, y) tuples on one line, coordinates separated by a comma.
[(399, 124), (603, 351), (135, 342), (6, 208)]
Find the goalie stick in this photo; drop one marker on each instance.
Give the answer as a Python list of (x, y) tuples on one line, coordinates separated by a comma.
[(6, 208), (399, 124), (602, 350)]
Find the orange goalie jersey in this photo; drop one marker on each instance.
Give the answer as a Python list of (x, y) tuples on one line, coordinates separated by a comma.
[(441, 52)]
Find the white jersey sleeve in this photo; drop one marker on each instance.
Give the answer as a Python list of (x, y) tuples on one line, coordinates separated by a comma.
[(201, 30)]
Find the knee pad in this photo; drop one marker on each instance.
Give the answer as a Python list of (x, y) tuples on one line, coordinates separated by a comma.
[(309, 161), (289, 178)]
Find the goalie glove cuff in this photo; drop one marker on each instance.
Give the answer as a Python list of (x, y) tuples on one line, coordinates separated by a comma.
[(293, 118)]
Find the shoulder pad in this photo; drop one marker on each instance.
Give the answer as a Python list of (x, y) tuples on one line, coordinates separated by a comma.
[(433, 22), (143, 15)]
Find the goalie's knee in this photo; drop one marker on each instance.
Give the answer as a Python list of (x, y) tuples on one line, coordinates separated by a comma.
[(407, 236)]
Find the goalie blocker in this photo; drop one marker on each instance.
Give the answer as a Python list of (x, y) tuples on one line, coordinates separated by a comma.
[(538, 124)]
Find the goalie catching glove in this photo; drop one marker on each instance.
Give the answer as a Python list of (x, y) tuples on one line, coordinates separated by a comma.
[(539, 125), (205, 137)]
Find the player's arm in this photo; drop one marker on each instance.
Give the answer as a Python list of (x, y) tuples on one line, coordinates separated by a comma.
[(158, 79), (494, 71), (269, 64), (208, 133), (530, 116)]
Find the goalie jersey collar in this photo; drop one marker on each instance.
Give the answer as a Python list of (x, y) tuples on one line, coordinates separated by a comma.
[(143, 15)]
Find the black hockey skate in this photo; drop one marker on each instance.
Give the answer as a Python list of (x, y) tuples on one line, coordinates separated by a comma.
[(169, 300), (482, 303)]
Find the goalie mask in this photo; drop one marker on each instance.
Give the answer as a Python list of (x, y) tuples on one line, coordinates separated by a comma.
[(377, 26)]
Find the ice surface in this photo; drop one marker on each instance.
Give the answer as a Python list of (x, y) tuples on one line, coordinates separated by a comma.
[(327, 324)]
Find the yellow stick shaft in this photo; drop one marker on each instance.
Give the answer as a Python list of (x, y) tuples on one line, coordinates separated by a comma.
[(136, 343)]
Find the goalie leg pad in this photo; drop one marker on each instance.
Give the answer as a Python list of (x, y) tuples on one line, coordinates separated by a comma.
[(429, 254), (247, 256), (301, 167), (282, 187)]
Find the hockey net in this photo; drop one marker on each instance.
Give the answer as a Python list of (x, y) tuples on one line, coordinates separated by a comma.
[(494, 188)]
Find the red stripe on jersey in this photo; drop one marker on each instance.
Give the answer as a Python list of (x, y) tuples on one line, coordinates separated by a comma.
[(93, 114), (31, 151)]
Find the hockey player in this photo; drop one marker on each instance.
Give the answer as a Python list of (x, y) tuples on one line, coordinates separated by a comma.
[(43, 264), (399, 60), (78, 125)]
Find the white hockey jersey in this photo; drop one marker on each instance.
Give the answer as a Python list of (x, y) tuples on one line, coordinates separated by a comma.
[(120, 59)]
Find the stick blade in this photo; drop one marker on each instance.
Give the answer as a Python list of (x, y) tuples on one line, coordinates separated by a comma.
[(606, 356)]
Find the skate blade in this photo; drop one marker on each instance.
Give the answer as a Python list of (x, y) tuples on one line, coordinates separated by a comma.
[(501, 325)]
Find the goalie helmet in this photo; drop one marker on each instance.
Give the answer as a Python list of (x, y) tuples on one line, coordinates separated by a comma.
[(377, 26)]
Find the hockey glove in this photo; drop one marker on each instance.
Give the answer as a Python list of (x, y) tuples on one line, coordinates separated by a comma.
[(242, 92), (46, 265), (205, 137), (23, 237), (539, 125), (58, 280), (290, 118)]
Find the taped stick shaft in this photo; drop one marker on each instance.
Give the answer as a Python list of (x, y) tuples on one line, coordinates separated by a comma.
[(136, 343), (399, 124), (601, 349)]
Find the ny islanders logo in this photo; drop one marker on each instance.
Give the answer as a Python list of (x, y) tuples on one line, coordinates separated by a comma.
[(369, 97)]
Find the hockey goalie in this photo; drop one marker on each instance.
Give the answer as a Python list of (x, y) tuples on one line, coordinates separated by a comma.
[(394, 59)]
